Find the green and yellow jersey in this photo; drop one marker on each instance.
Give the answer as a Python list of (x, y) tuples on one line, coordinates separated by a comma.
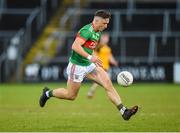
[(91, 38)]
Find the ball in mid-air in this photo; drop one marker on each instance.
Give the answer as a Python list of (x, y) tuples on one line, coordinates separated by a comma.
[(125, 78)]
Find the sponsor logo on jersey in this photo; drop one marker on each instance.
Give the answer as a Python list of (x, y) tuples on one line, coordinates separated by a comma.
[(95, 36), (90, 44)]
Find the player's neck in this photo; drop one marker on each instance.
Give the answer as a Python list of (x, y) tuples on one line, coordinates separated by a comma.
[(94, 27)]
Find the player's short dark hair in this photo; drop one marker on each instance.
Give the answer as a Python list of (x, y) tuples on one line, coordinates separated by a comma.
[(103, 14)]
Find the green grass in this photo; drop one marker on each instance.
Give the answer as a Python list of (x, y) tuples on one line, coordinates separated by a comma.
[(19, 109)]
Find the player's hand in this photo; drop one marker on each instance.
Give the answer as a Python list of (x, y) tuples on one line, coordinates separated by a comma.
[(96, 60), (116, 63)]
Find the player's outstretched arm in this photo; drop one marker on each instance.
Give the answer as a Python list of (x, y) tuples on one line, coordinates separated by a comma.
[(113, 61)]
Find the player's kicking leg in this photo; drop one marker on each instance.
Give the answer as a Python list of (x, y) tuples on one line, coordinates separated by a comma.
[(101, 77)]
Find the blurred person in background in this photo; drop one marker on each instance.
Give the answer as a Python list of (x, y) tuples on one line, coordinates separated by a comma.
[(103, 51)]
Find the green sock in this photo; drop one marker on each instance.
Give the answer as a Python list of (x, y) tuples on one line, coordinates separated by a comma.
[(51, 93), (120, 106)]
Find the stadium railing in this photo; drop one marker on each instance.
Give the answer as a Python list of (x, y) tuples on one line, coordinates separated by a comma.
[(125, 53), (167, 36), (35, 19)]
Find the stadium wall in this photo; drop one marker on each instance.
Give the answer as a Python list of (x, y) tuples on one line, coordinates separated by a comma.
[(143, 72)]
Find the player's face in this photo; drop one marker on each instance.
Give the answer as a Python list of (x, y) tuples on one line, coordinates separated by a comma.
[(103, 24)]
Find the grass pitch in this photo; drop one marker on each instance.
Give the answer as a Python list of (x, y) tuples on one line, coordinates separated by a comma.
[(20, 111)]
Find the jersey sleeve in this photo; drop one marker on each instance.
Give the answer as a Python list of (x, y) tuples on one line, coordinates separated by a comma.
[(84, 34)]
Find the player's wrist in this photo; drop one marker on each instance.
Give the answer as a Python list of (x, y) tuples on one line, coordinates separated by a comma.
[(89, 57)]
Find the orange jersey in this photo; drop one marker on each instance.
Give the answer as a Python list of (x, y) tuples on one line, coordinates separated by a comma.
[(104, 53)]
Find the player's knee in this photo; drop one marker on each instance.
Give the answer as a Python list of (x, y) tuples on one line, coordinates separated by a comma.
[(71, 97), (108, 84)]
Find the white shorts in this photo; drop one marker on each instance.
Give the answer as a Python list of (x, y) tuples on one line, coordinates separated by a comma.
[(77, 72)]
